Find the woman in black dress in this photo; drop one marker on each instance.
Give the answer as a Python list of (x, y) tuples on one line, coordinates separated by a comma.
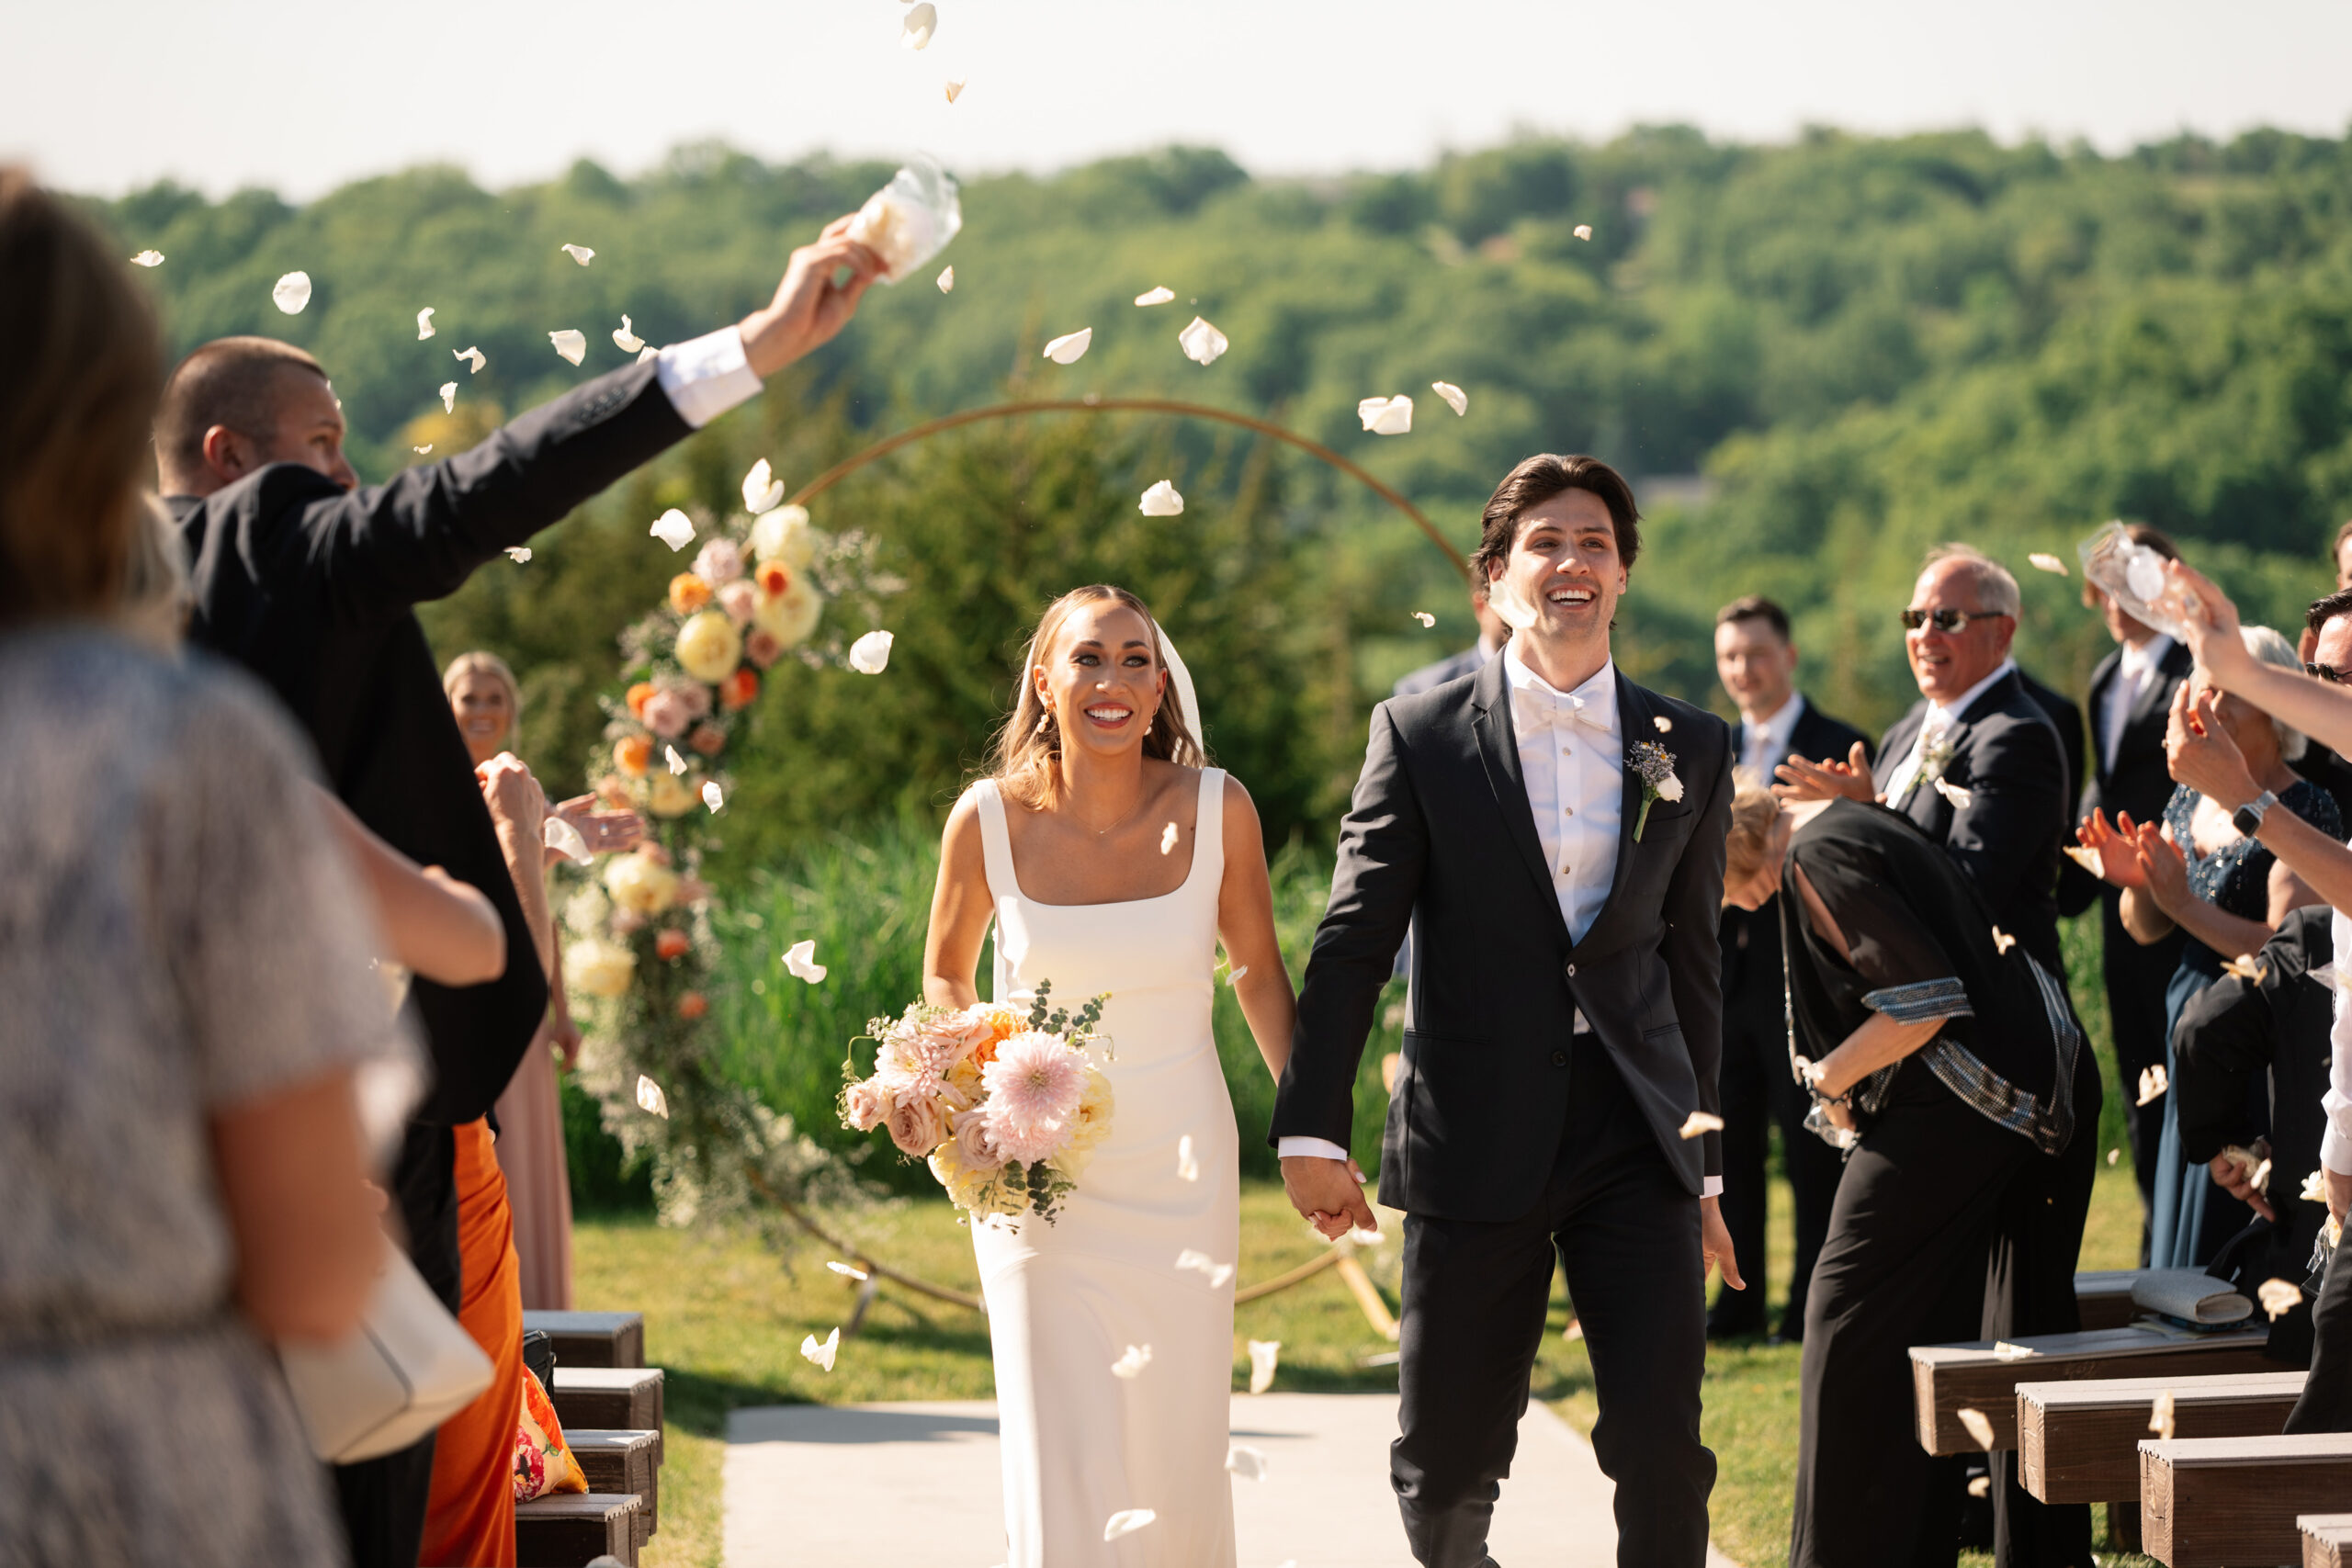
[(1949, 1062)]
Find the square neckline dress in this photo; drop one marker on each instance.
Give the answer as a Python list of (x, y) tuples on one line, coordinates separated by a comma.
[(1065, 1300)]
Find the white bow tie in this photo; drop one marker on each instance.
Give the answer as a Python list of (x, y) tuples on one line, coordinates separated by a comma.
[(1533, 712)]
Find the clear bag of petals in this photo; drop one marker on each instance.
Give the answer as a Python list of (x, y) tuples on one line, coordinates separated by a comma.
[(910, 220)]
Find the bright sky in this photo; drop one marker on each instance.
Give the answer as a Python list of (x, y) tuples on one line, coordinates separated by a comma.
[(104, 95)]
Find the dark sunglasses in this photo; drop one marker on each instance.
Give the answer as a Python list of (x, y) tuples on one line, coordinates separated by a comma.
[(1952, 623), (2327, 672)]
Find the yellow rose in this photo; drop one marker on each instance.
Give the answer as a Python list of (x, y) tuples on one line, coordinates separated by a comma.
[(791, 615), (963, 1183), (785, 535), (637, 883), (1095, 1106), (598, 968), (709, 646), (672, 796)]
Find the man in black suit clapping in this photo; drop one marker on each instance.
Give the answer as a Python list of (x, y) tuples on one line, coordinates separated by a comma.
[(1757, 663)]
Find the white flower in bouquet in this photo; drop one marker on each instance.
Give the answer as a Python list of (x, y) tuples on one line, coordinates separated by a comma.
[(1036, 1087), (791, 615), (595, 967), (1091, 1125), (640, 884), (709, 646), (785, 535)]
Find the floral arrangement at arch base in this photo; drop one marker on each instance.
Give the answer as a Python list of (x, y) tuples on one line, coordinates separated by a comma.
[(640, 947)]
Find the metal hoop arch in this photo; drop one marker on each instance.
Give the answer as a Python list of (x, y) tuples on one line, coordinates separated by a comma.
[(884, 447)]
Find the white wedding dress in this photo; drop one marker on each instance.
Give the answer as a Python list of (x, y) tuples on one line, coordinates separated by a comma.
[(1065, 1300)]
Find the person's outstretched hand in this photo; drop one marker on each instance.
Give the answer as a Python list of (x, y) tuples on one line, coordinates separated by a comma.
[(2117, 846), (1328, 1195), (604, 832), (1828, 779), (1714, 1243), (813, 302)]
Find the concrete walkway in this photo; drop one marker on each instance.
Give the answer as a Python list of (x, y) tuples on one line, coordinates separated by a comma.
[(805, 1484)]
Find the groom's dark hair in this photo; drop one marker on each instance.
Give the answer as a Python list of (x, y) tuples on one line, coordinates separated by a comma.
[(1536, 480)]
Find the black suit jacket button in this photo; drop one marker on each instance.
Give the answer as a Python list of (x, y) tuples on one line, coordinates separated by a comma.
[(1559, 1058)]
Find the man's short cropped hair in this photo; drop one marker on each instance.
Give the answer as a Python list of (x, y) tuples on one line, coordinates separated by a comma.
[(1755, 607), (1996, 588), (232, 382), (2326, 610), (1536, 480)]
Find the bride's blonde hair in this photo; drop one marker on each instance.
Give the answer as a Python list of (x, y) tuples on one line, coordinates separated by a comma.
[(1022, 759)]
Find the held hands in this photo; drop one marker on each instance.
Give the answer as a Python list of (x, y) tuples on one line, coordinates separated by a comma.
[(2200, 753), (1828, 779), (1714, 1243), (809, 306), (1328, 1194)]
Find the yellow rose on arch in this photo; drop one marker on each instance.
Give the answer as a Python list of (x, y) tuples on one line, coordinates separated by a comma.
[(709, 646)]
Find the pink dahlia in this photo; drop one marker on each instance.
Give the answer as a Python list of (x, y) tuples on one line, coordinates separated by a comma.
[(1035, 1086)]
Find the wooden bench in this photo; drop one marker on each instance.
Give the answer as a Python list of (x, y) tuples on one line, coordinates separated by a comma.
[(2327, 1539), (1948, 1379), (593, 1338), (565, 1531), (623, 1461), (2103, 1295), (2079, 1442), (629, 1398), (2227, 1501)]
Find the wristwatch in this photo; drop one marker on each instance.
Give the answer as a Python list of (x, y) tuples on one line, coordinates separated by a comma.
[(2248, 818)]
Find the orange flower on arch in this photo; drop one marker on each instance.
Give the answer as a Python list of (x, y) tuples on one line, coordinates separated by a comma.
[(670, 944), (774, 579), (638, 695), (737, 692), (632, 754), (692, 1004), (688, 594)]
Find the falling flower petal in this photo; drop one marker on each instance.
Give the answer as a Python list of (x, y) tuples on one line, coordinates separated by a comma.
[(712, 796), (870, 655), (1247, 1463), (1979, 1487), (1071, 347), (2152, 1084), (2280, 1297), (1665, 726), (475, 360), (677, 763), (822, 1352), (955, 88), (421, 451), (2245, 967), (1156, 296), (2160, 1416), (1168, 837), (1583, 231), (2114, 1155), (2260, 1178), (1162, 501), (148, 258), (1188, 1168), (2314, 1187), (1960, 798), (1235, 978), (580, 254), (1977, 1426), (651, 1098), (674, 528), (648, 353), (1427, 620), (2084, 856), (1126, 1521), (1699, 1123), (2324, 975), (1573, 1331), (424, 324), (800, 958), (1386, 416), (851, 1269), (1455, 398), (919, 24), (2005, 1352), (519, 554), (292, 292), (570, 343), (2003, 941), (1264, 1355), (763, 491), (1130, 1366), (947, 280), (2048, 563), (448, 397), (1202, 341), (1363, 1237), (1198, 1263), (562, 837), (625, 340)]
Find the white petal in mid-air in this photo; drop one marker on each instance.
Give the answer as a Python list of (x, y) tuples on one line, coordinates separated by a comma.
[(1264, 1356), (2153, 1082), (519, 554), (1156, 296), (1167, 838), (1665, 725), (570, 343), (475, 360), (1979, 1429), (648, 353), (2314, 1187), (1188, 1166), (712, 796), (674, 528), (870, 655), (763, 491), (955, 90), (448, 397), (1583, 231), (1162, 501), (1071, 347), (919, 24), (1126, 1521), (1386, 416), (1247, 1463), (2163, 1416), (292, 292), (625, 340), (1130, 1366), (561, 836), (148, 258), (849, 1271), (821, 1352), (1455, 398), (424, 324), (651, 1099), (947, 280), (1202, 341), (1235, 978), (1697, 1123), (421, 451), (2048, 563), (1961, 798), (1428, 621), (580, 254), (2280, 1297), (800, 959), (677, 763)]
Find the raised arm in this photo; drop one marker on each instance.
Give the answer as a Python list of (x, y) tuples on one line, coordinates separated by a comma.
[(2319, 708), (1245, 922), (961, 908)]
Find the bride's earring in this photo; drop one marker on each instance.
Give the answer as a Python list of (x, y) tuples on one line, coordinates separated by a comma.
[(1045, 721)]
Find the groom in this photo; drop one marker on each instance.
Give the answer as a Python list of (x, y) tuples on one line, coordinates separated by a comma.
[(1566, 1021)]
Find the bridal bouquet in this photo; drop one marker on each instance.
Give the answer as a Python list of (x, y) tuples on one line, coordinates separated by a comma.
[(1007, 1108)]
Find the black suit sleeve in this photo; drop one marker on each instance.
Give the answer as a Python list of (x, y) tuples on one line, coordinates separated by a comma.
[(1693, 904), (419, 538), (1383, 846), (2016, 796), (2224, 1039)]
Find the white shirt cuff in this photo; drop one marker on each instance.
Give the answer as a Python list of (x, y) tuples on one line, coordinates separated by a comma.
[(706, 375), (2334, 1150), (1312, 1148), (1711, 1187)]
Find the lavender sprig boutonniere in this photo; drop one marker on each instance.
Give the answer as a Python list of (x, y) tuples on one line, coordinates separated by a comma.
[(1659, 780)]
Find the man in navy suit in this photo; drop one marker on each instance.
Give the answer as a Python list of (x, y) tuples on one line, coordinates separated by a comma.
[(1492, 634)]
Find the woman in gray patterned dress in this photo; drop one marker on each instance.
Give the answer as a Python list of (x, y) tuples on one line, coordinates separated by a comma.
[(184, 1000)]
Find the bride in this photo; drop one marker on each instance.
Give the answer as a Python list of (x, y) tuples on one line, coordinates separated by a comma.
[(1111, 860)]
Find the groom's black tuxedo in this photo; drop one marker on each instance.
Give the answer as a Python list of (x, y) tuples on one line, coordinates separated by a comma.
[(1513, 1138)]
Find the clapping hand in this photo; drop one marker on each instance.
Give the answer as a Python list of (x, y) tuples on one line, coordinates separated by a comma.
[(2164, 871), (1828, 779), (2116, 845), (2200, 753)]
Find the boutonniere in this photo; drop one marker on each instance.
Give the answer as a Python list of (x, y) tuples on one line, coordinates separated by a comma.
[(1936, 752), (1659, 780)]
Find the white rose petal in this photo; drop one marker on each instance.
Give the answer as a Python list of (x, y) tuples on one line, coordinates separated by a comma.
[(870, 655), (1979, 1487), (2114, 1155), (1670, 787), (421, 451), (712, 796), (1168, 837), (1126, 1521), (2152, 1084), (1583, 231), (1159, 295), (822, 1352), (1202, 341), (2280, 1297), (424, 324), (2245, 967), (2048, 563), (763, 491), (677, 763), (1697, 1123), (1199, 1263), (519, 554), (947, 280), (475, 360), (148, 258), (674, 528), (800, 958), (651, 1099), (1188, 1168), (292, 292), (570, 343), (2314, 1187), (849, 1269), (2005, 1352), (1071, 347), (580, 254), (2003, 941), (2161, 1416), (1130, 1366), (1455, 398), (1264, 1355), (1664, 725), (1428, 622), (1235, 978), (954, 89), (1162, 501), (1974, 1424), (915, 31), (648, 353), (448, 397), (1386, 416), (1247, 1463), (563, 838), (625, 340), (1961, 798)]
